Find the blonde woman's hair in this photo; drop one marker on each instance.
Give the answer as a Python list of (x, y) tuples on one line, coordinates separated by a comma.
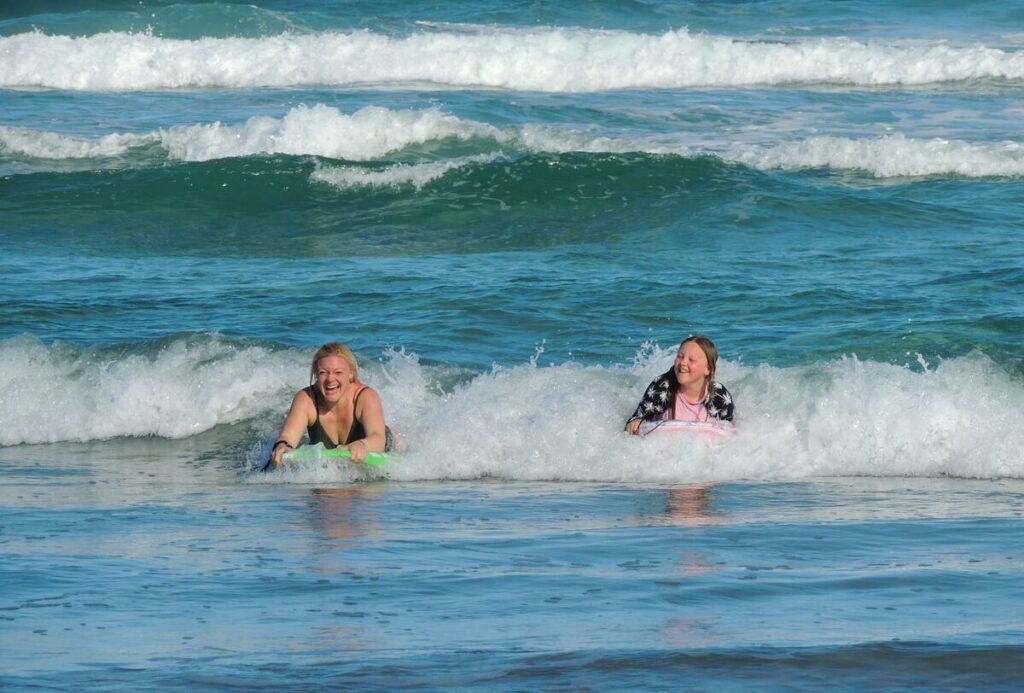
[(711, 352), (334, 349)]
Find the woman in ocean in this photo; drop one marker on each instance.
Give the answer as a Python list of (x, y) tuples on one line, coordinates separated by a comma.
[(687, 391), (336, 409)]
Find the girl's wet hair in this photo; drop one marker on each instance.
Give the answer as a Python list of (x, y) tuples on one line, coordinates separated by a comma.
[(710, 351), (334, 349)]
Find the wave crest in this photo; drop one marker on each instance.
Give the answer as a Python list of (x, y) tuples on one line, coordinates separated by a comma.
[(891, 156), (369, 133), (173, 389), (552, 60), (373, 133)]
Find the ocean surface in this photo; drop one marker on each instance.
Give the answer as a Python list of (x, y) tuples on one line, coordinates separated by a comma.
[(512, 212)]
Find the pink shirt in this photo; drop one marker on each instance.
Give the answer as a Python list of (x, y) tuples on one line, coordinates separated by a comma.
[(681, 410)]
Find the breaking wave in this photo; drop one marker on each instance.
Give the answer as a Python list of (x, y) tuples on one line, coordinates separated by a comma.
[(425, 137), (548, 60), (844, 417)]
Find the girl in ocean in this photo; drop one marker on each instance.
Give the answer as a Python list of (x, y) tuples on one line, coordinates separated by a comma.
[(687, 391), (336, 409)]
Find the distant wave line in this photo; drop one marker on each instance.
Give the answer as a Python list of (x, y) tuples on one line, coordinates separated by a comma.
[(548, 60)]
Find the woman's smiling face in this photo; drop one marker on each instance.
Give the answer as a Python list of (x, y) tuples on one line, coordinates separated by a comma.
[(333, 375)]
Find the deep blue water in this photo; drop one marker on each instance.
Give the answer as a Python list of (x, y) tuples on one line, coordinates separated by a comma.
[(512, 212)]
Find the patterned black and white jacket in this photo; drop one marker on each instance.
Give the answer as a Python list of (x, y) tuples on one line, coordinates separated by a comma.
[(661, 394)]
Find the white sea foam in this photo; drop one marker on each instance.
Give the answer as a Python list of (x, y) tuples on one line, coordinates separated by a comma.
[(51, 145), (845, 417), (188, 387), (548, 59), (890, 156), (884, 157), (319, 130), (369, 133), (417, 175)]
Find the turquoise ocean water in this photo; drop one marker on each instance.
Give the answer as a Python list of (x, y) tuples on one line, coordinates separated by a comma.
[(513, 212)]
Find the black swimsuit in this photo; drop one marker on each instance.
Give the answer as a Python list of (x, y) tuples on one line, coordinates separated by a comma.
[(317, 434)]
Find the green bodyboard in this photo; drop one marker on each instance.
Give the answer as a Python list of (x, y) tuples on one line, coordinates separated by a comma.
[(319, 452)]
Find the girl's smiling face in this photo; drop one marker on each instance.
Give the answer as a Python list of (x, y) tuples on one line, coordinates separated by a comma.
[(333, 375), (691, 366)]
